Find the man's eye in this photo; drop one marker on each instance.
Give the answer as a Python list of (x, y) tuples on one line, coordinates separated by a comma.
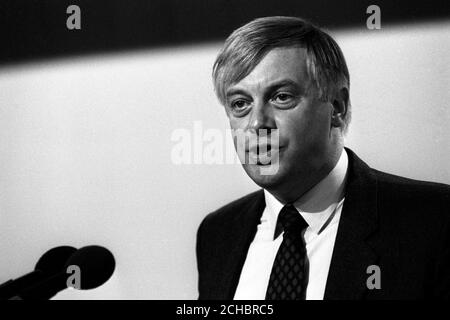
[(283, 98), (238, 105)]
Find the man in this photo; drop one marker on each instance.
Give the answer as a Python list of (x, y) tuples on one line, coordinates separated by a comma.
[(325, 225)]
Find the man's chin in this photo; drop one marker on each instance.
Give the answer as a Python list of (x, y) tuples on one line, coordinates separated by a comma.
[(265, 176)]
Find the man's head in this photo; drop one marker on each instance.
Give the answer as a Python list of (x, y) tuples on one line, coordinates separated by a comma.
[(283, 73)]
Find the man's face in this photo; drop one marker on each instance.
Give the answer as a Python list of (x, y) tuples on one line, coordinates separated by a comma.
[(275, 95)]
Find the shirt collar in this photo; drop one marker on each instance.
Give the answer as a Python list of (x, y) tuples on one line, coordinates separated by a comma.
[(318, 204)]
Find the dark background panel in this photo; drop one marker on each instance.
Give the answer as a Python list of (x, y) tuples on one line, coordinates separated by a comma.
[(36, 29)]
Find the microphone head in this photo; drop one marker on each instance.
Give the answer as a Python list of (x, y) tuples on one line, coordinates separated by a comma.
[(49, 264), (54, 260), (96, 265)]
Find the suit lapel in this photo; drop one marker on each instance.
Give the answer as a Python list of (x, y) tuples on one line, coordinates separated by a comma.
[(244, 229), (354, 248)]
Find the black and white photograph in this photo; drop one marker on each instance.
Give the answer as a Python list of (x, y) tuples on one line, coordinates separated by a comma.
[(231, 151)]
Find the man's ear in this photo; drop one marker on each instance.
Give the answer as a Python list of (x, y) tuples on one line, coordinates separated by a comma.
[(340, 108)]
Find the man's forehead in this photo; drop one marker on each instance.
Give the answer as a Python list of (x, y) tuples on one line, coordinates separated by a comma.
[(278, 65)]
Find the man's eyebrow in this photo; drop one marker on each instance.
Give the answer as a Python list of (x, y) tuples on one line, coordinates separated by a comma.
[(272, 87), (233, 91), (284, 83)]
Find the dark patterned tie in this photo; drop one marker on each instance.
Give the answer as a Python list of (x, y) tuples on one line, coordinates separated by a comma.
[(288, 278)]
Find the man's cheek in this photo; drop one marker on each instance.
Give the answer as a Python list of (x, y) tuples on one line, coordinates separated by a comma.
[(240, 141)]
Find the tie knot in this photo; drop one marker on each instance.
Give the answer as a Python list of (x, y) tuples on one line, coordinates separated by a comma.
[(290, 220)]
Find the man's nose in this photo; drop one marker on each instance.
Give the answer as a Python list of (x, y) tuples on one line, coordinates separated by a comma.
[(261, 117)]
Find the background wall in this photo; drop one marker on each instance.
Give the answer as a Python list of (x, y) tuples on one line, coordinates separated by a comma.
[(85, 149)]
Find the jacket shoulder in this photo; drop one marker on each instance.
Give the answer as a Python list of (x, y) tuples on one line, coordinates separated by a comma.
[(232, 210), (426, 202), (411, 188)]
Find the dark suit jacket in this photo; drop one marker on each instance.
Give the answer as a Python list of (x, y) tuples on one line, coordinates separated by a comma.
[(399, 224)]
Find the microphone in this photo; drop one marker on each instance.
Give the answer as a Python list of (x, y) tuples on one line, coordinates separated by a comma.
[(95, 264), (50, 263)]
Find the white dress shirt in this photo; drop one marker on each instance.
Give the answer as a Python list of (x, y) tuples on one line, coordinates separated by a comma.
[(321, 208)]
